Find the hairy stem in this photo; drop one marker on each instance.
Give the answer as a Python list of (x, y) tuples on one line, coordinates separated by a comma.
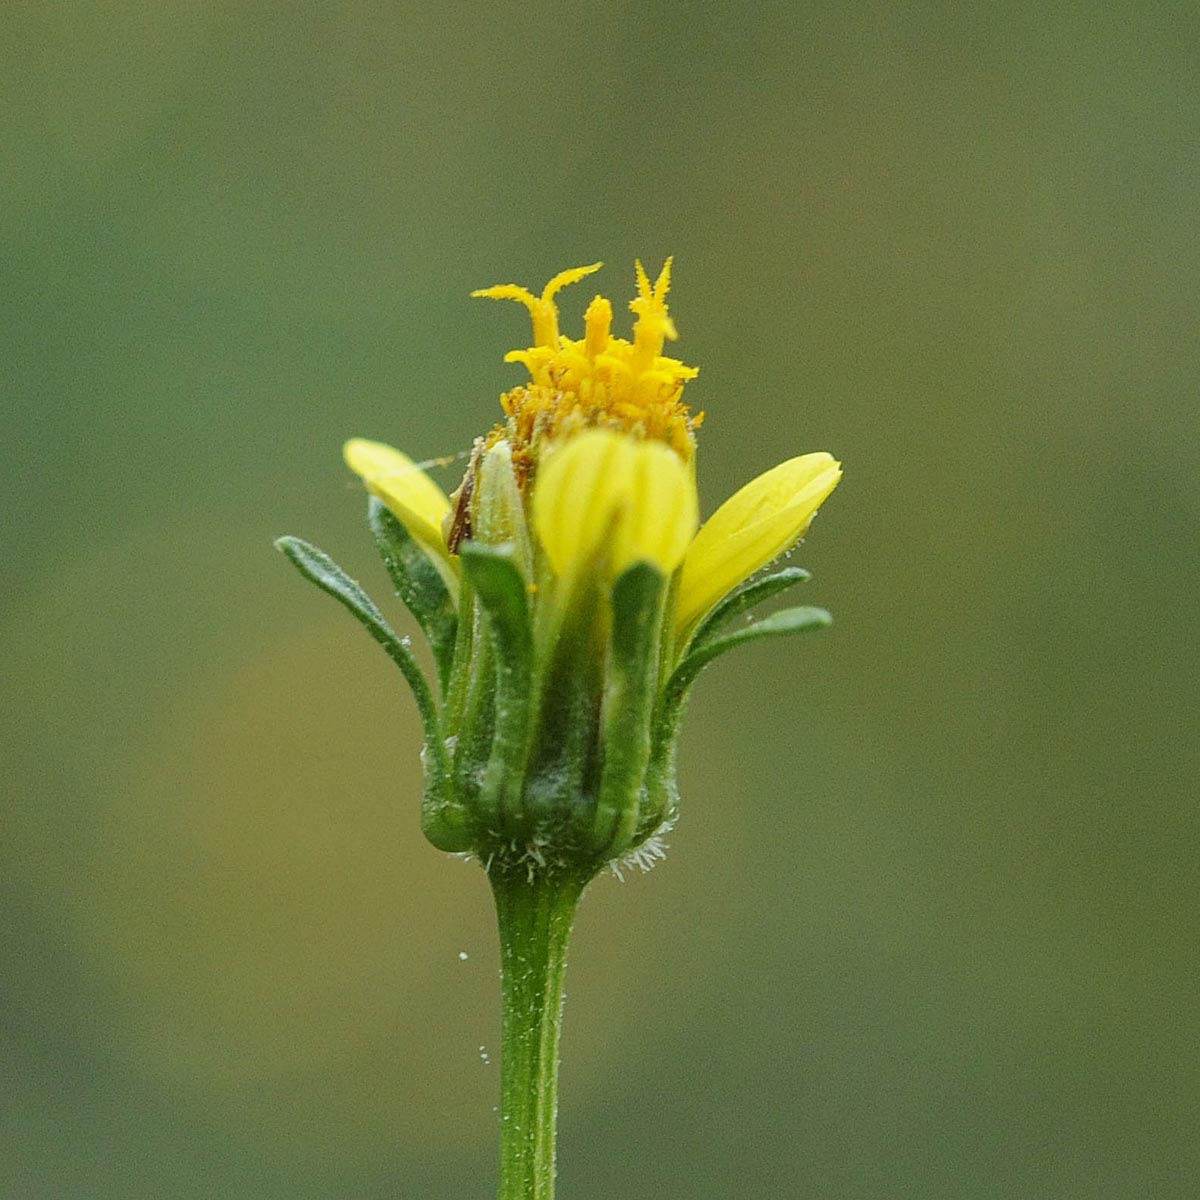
[(535, 915)]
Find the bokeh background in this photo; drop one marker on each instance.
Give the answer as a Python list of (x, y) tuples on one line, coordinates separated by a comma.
[(929, 924)]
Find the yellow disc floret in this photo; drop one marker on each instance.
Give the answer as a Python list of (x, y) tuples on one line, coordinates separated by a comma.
[(600, 380)]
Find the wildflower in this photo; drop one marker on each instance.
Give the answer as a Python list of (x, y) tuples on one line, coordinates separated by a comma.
[(570, 596), (568, 591)]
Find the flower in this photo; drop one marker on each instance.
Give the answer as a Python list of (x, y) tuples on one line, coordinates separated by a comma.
[(570, 598), (568, 589)]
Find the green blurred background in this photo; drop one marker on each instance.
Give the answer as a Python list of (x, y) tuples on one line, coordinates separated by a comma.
[(929, 925)]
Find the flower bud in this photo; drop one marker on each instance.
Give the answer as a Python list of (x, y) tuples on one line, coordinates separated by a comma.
[(499, 512)]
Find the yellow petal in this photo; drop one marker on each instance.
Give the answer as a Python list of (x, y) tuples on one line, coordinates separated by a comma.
[(661, 516), (753, 527), (605, 493), (580, 489), (418, 502)]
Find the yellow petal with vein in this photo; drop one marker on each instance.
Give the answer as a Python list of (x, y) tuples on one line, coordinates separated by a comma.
[(580, 490), (608, 494), (662, 513), (752, 528)]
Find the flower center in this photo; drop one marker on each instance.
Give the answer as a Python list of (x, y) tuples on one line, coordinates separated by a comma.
[(599, 380)]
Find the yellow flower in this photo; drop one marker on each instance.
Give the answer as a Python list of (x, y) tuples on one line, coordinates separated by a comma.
[(576, 575), (603, 440), (751, 529), (630, 388)]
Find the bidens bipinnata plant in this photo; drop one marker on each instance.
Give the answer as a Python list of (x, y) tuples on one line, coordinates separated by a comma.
[(570, 597)]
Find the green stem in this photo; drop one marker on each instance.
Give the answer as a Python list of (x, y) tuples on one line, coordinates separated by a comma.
[(535, 916)]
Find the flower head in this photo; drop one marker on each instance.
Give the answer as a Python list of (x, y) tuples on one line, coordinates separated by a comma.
[(568, 589)]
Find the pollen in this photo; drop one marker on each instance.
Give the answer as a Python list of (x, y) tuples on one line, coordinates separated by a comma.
[(598, 381)]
